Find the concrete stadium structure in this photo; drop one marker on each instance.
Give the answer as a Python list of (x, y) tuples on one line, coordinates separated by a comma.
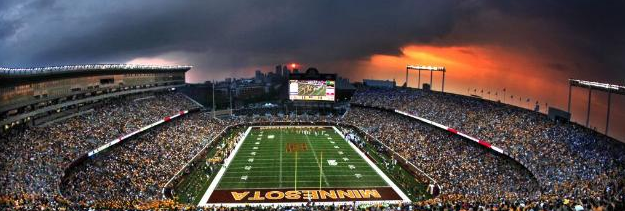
[(34, 95)]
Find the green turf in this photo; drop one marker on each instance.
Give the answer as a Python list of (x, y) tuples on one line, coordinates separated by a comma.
[(274, 167), (194, 184), (414, 189)]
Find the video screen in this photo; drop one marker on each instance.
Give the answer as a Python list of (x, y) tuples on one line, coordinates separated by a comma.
[(311, 90)]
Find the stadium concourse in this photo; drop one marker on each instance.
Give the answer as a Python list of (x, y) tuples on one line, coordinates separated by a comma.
[(548, 166)]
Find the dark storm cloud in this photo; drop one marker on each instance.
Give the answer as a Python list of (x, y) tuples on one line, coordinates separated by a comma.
[(232, 34), (590, 32), (70, 32)]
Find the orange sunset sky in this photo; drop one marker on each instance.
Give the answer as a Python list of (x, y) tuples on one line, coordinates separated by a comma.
[(525, 74)]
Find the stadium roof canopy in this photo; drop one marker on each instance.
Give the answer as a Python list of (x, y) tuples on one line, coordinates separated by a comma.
[(13, 76), (16, 72)]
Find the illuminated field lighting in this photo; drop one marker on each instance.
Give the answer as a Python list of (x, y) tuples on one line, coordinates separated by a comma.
[(609, 88), (426, 68), (597, 85), (421, 67)]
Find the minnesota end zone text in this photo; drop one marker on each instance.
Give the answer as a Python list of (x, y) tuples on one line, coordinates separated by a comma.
[(290, 195)]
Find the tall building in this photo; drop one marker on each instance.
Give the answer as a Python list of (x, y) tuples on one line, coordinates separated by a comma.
[(285, 71), (279, 70), (258, 77)]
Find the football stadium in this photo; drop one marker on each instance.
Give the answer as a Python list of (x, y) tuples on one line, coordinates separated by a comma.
[(372, 105), (137, 137)]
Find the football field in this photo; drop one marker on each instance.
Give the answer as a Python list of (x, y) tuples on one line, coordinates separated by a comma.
[(298, 164)]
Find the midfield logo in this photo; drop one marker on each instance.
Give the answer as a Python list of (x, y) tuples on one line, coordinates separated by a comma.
[(296, 147)]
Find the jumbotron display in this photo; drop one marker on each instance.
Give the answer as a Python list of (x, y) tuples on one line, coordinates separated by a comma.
[(322, 90)]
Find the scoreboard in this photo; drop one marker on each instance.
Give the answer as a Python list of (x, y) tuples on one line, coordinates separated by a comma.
[(318, 90)]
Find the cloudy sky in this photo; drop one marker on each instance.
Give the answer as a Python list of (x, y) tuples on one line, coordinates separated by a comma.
[(528, 47)]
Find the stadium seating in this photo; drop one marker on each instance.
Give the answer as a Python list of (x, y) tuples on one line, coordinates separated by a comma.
[(552, 166), (568, 160)]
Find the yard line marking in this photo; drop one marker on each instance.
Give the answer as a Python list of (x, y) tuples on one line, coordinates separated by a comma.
[(273, 149), (317, 159), (302, 181), (222, 171), (303, 166), (375, 168), (300, 176), (305, 171), (280, 158), (259, 157)]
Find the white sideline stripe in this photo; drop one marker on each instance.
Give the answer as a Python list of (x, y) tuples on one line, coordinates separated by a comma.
[(375, 167), (221, 172)]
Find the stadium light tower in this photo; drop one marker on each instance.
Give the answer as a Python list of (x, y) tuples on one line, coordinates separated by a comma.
[(609, 88), (431, 69)]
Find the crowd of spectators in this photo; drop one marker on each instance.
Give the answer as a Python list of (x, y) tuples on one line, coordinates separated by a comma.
[(460, 167), (552, 165), (569, 160), (139, 169), (32, 161)]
